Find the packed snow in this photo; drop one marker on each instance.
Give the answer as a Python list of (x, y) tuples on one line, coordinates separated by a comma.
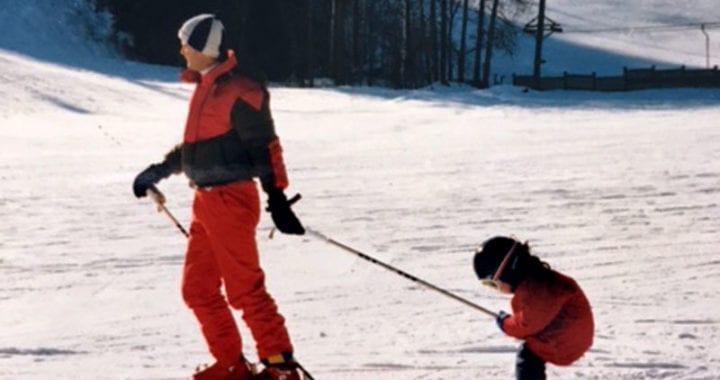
[(619, 191)]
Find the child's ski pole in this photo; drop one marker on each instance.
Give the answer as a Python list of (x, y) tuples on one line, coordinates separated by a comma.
[(400, 272)]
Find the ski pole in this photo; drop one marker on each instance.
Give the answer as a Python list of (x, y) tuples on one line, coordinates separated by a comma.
[(306, 374), (159, 200), (398, 271)]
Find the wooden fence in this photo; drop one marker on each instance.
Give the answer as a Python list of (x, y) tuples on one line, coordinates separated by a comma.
[(632, 79)]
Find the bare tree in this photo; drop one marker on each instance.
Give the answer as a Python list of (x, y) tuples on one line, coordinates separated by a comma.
[(443, 41), (490, 43), (454, 6), (478, 42), (463, 35), (305, 75), (433, 42), (405, 52), (369, 56), (339, 65), (356, 24), (333, 38), (424, 46)]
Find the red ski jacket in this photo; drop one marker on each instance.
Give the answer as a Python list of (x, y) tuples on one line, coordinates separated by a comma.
[(230, 134), (554, 318)]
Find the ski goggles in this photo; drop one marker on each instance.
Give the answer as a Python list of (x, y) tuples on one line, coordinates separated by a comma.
[(493, 281)]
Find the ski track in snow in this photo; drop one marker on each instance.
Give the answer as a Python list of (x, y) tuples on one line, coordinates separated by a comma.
[(625, 202)]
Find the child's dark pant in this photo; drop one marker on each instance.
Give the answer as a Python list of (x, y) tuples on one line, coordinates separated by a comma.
[(529, 366)]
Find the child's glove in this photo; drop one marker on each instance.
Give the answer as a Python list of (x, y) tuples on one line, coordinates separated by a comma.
[(501, 317)]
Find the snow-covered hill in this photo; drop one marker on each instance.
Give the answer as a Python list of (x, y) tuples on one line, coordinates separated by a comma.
[(663, 32), (619, 191)]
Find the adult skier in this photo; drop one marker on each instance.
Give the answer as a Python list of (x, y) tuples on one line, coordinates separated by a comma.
[(549, 310), (229, 139)]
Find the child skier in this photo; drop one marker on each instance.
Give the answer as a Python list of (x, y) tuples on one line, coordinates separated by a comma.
[(549, 310)]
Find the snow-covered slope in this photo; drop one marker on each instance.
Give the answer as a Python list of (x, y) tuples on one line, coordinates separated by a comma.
[(66, 31), (619, 191), (53, 55), (605, 36), (663, 31)]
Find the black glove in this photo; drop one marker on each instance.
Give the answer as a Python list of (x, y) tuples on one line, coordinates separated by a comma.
[(149, 177), (501, 317), (283, 217)]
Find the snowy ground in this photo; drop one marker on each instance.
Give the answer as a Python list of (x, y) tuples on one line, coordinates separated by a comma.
[(620, 191)]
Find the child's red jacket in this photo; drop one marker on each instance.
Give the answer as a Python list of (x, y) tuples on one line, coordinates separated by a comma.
[(554, 318)]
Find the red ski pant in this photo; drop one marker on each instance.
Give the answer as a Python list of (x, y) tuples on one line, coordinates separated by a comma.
[(222, 251)]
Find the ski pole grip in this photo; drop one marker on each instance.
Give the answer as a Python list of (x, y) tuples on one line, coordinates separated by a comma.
[(157, 197), (294, 199), (152, 190)]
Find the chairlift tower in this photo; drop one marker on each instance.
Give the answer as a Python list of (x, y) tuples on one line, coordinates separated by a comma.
[(541, 27)]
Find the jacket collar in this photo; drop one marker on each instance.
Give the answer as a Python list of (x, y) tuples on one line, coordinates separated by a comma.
[(192, 76)]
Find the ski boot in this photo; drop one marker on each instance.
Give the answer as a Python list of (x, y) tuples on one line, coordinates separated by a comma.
[(282, 371), (240, 371), (280, 367)]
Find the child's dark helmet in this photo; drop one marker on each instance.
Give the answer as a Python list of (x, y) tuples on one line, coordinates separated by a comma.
[(489, 258)]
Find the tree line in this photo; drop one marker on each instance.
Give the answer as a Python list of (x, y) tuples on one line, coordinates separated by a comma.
[(394, 43)]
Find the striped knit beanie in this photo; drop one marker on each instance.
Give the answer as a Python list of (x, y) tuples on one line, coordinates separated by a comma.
[(204, 33)]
